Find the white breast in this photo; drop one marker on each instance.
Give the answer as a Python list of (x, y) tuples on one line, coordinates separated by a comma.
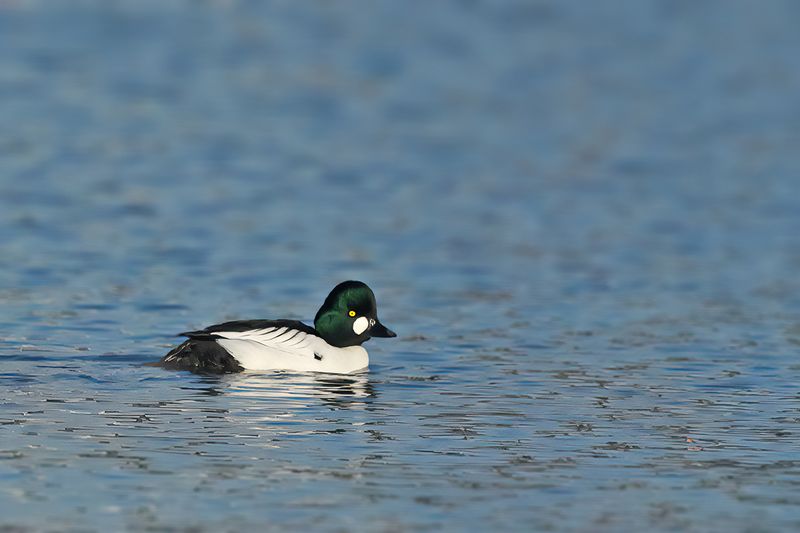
[(290, 349)]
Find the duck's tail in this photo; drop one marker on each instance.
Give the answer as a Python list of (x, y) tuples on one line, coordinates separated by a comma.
[(201, 356)]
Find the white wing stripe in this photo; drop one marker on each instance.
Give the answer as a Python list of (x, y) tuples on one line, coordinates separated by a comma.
[(286, 331), (269, 336), (300, 339), (272, 337), (294, 334), (253, 348), (253, 334)]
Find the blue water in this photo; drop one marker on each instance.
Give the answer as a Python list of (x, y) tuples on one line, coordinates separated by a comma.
[(582, 219)]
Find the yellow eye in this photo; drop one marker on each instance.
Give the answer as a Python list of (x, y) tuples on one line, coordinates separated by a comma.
[(351, 313)]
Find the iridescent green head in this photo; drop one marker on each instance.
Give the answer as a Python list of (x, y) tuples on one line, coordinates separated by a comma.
[(349, 316)]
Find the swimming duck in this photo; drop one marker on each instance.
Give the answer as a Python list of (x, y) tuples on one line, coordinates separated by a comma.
[(347, 318)]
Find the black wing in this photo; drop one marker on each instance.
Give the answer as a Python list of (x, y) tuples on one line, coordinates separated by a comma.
[(201, 356), (247, 325)]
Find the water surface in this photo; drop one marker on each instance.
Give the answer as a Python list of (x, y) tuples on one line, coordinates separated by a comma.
[(581, 219)]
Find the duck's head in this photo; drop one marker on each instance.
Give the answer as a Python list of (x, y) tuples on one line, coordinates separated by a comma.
[(349, 316)]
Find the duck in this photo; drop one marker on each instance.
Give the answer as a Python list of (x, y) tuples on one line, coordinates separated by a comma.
[(347, 318)]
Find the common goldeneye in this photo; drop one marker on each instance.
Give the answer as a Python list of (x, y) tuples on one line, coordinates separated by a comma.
[(347, 318)]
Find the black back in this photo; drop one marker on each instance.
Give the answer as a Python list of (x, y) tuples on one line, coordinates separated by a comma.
[(247, 325)]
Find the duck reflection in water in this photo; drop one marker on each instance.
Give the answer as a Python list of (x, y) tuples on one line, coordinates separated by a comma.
[(296, 389)]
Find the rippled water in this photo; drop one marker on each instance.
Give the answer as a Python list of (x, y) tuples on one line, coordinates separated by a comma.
[(581, 218)]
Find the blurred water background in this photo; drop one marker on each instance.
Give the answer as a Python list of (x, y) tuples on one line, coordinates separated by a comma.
[(581, 218)]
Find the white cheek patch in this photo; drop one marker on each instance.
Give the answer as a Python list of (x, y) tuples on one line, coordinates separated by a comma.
[(360, 325)]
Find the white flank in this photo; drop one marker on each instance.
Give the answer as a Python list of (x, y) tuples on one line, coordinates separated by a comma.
[(290, 349)]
